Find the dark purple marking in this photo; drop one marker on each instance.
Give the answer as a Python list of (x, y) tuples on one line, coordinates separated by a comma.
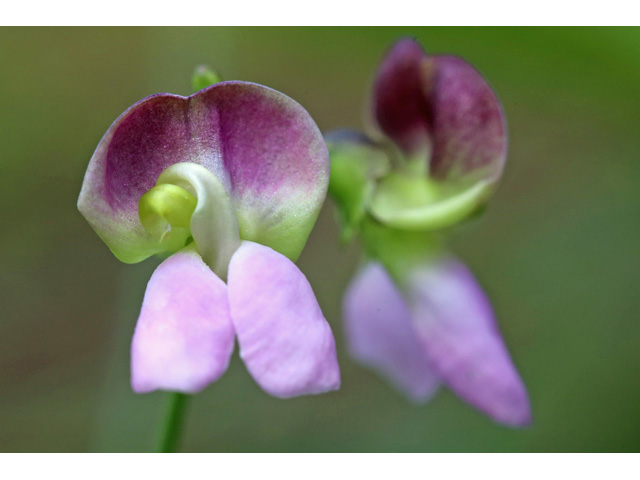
[(443, 104)]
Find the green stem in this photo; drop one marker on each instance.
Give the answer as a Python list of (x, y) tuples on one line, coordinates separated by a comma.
[(172, 426)]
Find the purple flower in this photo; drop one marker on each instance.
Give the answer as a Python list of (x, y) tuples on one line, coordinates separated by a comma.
[(435, 152), (439, 109), (228, 182)]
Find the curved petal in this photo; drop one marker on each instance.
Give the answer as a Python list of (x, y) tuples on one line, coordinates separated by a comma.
[(469, 127), (400, 106), (263, 147), (148, 137), (277, 161), (457, 327), (440, 106), (284, 339), (418, 204), (184, 336), (214, 224), (380, 333)]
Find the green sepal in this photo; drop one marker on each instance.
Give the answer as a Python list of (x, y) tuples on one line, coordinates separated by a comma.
[(355, 168)]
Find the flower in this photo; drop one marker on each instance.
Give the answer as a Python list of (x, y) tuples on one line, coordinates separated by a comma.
[(435, 151), (228, 182)]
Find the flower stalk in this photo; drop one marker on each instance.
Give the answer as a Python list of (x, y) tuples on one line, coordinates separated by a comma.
[(171, 428)]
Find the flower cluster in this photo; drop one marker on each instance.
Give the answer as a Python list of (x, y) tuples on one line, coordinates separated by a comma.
[(227, 185)]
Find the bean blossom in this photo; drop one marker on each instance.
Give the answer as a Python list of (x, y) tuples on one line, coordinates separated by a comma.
[(435, 150), (226, 185)]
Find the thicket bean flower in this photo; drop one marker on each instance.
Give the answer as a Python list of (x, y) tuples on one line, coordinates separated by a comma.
[(413, 312), (228, 182)]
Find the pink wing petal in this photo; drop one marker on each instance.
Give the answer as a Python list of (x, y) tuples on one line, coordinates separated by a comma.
[(380, 333), (184, 337), (458, 329), (284, 339)]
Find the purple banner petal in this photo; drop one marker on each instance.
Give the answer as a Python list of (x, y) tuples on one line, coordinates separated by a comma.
[(469, 127), (400, 104), (277, 161), (441, 107), (263, 147)]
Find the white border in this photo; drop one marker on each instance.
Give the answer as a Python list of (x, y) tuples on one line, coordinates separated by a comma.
[(324, 12), (322, 466)]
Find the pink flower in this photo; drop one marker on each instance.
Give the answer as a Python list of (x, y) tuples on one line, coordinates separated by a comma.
[(228, 182), (435, 153), (440, 329)]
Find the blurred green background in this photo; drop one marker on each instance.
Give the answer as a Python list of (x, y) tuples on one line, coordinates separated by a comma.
[(557, 250)]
